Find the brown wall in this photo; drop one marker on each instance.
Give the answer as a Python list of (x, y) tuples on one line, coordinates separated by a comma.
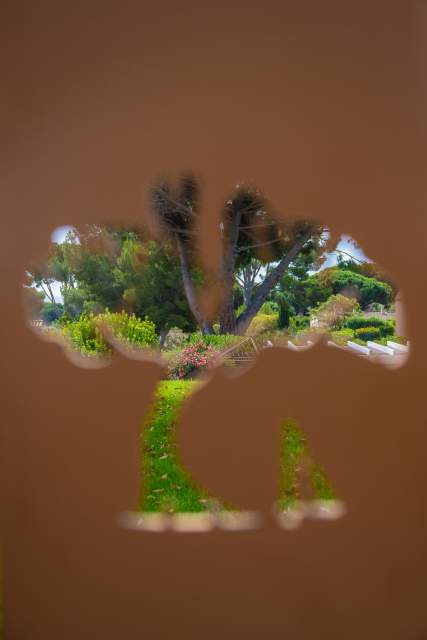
[(322, 105)]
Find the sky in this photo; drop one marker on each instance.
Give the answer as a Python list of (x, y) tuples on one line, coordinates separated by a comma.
[(348, 245), (345, 244)]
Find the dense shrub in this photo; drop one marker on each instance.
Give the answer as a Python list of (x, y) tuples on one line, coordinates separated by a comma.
[(342, 336), (298, 323), (130, 329), (195, 357), (50, 312), (357, 322), (263, 322), (85, 334), (269, 308), (387, 330), (216, 341), (385, 327), (367, 333)]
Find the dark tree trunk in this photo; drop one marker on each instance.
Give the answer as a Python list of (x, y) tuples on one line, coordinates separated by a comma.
[(190, 292), (163, 335), (227, 317), (244, 320)]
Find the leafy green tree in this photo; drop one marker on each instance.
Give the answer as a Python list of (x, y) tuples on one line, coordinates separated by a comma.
[(366, 289), (285, 311), (249, 231), (150, 277), (367, 269), (51, 312), (87, 261), (303, 295)]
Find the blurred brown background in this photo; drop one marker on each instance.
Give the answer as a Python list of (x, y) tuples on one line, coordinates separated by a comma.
[(320, 104)]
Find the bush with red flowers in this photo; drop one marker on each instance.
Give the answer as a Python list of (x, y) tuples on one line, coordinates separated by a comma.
[(195, 357)]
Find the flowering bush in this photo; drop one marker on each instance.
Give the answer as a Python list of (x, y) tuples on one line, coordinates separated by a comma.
[(85, 334), (195, 357), (131, 329)]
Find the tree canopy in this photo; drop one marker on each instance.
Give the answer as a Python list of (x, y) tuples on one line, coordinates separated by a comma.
[(265, 258), (250, 232)]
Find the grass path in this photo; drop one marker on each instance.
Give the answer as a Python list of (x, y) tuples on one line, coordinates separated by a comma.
[(169, 488)]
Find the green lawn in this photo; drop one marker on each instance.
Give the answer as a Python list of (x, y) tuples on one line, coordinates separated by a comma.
[(169, 488)]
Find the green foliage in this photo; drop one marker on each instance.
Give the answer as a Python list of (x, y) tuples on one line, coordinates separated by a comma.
[(298, 323), (269, 308), (79, 302), (85, 334), (357, 322), (367, 269), (90, 258), (368, 290), (284, 311), (51, 312), (367, 333), (150, 276), (216, 341), (104, 268), (384, 328), (302, 294), (130, 329), (342, 336), (262, 323), (240, 309), (294, 453)]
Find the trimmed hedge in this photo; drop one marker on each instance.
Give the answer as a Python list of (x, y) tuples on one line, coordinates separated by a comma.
[(367, 333), (385, 327)]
